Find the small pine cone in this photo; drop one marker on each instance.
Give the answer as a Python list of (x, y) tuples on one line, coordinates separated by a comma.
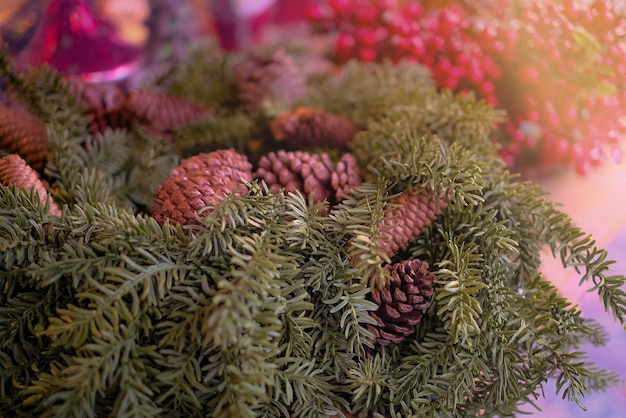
[(308, 127), (198, 182), (24, 134), (15, 170), (297, 170), (103, 104), (276, 78), (402, 301), (159, 113), (414, 213), (346, 176)]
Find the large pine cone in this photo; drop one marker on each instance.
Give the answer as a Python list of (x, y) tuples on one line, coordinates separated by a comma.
[(24, 134), (276, 78), (414, 213), (15, 170), (312, 174), (199, 182), (402, 301), (309, 127)]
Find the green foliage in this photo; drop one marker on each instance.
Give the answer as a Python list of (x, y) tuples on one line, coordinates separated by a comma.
[(263, 309), (206, 77), (381, 87)]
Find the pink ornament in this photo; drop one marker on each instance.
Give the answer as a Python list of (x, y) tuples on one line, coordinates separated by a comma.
[(75, 41)]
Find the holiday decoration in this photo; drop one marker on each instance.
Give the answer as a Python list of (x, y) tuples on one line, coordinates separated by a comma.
[(74, 40), (394, 274), (557, 68)]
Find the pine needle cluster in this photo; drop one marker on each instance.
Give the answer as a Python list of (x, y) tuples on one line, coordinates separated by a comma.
[(262, 309)]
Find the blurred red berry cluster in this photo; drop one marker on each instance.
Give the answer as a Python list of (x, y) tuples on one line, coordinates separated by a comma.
[(557, 68)]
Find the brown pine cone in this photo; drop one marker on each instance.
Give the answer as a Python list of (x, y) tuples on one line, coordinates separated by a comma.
[(402, 301), (24, 134), (15, 170), (414, 213), (308, 127), (312, 174), (159, 113), (103, 104), (198, 182), (275, 78)]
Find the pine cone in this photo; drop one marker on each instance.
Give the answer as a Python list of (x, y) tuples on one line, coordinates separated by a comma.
[(103, 104), (402, 301), (276, 78), (414, 213), (24, 134), (308, 127), (15, 170), (312, 174), (346, 176), (198, 182), (159, 113)]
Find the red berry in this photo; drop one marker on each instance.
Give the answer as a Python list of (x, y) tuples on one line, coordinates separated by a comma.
[(367, 54), (345, 46)]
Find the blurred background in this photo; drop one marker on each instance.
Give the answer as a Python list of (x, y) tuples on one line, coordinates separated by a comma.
[(558, 68)]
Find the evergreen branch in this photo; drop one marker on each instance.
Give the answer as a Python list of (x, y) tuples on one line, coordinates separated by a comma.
[(306, 232), (381, 86), (358, 217), (242, 324), (20, 319), (47, 94), (151, 162), (571, 377), (73, 388), (369, 382), (301, 389), (232, 215), (411, 159), (179, 381), (297, 324), (578, 250), (433, 378), (228, 130), (206, 77), (459, 280), (114, 296), (107, 151), (343, 302)]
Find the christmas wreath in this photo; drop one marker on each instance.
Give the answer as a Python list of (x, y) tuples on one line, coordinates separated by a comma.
[(245, 238)]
